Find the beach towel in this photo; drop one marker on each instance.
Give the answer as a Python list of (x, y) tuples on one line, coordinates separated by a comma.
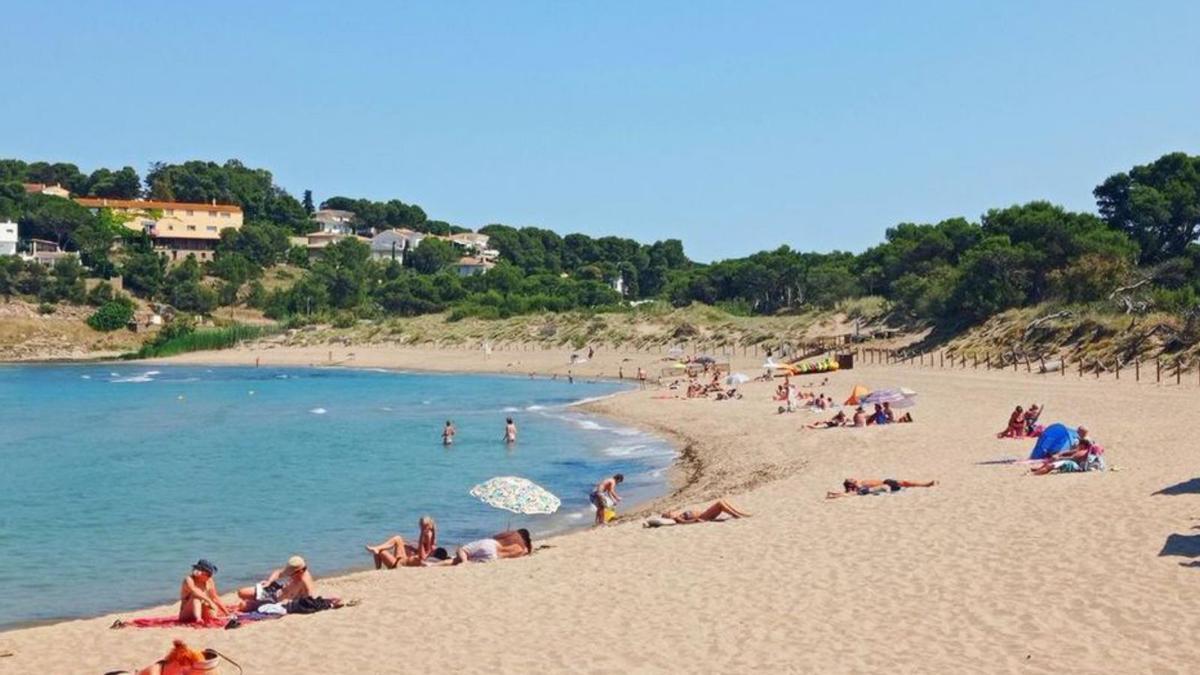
[(1056, 438), (174, 622), (656, 521)]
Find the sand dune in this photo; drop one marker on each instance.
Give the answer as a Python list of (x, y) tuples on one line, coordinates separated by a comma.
[(991, 571)]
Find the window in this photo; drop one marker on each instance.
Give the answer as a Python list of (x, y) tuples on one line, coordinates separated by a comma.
[(212, 228), (191, 213), (212, 214), (170, 212), (224, 214), (191, 228)]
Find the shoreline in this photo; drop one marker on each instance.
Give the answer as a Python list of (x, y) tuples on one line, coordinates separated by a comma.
[(582, 405), (945, 571)]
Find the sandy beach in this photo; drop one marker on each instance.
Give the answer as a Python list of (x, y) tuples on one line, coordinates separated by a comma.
[(991, 571)]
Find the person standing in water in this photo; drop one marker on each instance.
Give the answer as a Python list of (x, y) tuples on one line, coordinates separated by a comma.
[(510, 431), (448, 433)]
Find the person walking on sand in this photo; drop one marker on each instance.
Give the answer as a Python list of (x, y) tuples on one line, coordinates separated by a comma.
[(641, 375), (510, 431), (198, 597), (604, 496), (448, 433)]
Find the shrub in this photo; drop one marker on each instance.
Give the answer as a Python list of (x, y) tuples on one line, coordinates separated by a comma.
[(100, 295), (46, 308), (114, 314)]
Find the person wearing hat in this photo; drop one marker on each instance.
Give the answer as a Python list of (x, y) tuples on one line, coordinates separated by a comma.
[(290, 582), (198, 597)]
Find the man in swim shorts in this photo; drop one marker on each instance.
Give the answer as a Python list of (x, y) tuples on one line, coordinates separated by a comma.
[(605, 496)]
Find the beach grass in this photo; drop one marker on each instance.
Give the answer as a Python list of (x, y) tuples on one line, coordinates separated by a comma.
[(202, 339)]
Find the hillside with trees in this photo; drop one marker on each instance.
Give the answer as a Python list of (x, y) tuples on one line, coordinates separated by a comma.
[(1136, 255)]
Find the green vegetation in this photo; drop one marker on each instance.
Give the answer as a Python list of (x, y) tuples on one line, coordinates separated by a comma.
[(1139, 255), (181, 337), (112, 315)]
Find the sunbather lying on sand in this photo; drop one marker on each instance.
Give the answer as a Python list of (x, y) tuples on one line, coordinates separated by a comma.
[(853, 487), (719, 508), (395, 552), (838, 420), (504, 545)]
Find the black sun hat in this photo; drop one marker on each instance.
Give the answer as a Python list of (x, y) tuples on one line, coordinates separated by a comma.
[(205, 566)]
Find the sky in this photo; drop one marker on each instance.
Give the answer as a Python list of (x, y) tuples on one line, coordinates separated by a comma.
[(734, 126)]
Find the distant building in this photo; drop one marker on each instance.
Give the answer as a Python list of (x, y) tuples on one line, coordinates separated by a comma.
[(392, 244), (618, 284), (335, 221), (179, 229), (470, 266), (318, 241), (475, 242), (55, 190), (45, 252), (8, 238)]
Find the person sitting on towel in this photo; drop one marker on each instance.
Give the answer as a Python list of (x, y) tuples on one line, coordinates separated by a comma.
[(290, 582), (198, 597)]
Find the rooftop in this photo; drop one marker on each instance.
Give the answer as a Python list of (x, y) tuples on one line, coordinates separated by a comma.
[(143, 204)]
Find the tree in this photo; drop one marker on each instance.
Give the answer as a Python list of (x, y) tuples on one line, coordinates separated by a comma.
[(307, 202), (344, 270), (183, 288), (53, 218), (143, 268), (1156, 204), (431, 255), (112, 315)]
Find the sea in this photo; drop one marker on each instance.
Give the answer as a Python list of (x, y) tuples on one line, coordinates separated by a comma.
[(115, 478)]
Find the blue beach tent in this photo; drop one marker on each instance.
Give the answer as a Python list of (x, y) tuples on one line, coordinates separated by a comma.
[(1056, 438)]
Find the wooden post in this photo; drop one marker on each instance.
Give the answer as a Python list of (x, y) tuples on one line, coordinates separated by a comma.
[(1118, 369), (941, 359), (987, 360), (1137, 369), (1028, 369), (1178, 370), (1081, 366), (975, 361), (1158, 371)]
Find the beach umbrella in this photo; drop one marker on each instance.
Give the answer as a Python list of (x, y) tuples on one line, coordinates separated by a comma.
[(857, 395), (737, 378), (892, 396), (519, 495)]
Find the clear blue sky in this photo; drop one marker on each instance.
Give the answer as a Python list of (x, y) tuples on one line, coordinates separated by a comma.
[(733, 126)]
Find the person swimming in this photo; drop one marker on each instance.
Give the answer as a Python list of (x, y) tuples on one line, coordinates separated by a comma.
[(448, 432), (510, 431)]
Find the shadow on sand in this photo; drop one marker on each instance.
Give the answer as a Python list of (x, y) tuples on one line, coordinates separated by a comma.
[(1187, 487)]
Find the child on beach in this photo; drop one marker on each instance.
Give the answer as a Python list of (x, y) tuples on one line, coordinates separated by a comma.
[(198, 597)]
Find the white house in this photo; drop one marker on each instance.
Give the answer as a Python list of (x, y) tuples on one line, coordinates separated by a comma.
[(317, 241), (476, 243), (8, 238), (618, 284), (45, 252), (391, 244), (335, 221), (55, 190), (469, 267)]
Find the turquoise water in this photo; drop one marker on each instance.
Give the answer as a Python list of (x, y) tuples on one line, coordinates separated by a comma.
[(115, 478)]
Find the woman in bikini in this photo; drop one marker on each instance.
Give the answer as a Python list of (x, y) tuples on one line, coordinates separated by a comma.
[(1016, 425), (394, 552), (719, 508)]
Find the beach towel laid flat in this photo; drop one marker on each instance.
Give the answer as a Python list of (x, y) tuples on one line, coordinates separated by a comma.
[(213, 622)]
